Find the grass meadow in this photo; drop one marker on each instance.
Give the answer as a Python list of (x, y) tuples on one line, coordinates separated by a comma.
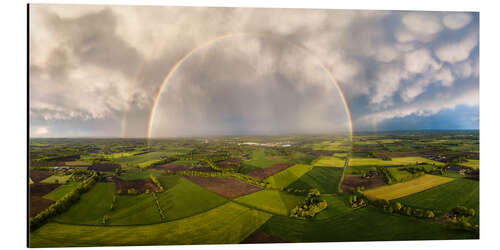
[(227, 224)]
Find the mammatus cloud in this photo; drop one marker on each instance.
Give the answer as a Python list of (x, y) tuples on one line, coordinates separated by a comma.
[(90, 66), (456, 21), (458, 51)]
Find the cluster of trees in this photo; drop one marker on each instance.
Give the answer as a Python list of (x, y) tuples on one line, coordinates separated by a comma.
[(465, 225), (399, 208), (156, 182), (460, 219), (162, 213), (239, 176), (212, 165), (312, 205), (394, 175), (356, 202), (80, 174), (62, 204), (422, 168), (389, 179), (463, 211)]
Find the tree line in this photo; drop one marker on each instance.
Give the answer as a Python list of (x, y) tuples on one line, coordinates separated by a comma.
[(62, 204)]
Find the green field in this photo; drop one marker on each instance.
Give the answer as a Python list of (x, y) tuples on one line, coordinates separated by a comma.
[(61, 191), (259, 159), (365, 224), (91, 207), (134, 210), (189, 213), (273, 201), (337, 206), (61, 179), (143, 160), (400, 175), (396, 161), (137, 174), (325, 179), (229, 223), (359, 170), (471, 164), (460, 192), (288, 176), (399, 190), (182, 198), (245, 168), (329, 161)]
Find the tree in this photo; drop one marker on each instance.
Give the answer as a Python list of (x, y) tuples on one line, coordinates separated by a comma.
[(471, 212), (429, 214), (408, 211), (398, 206)]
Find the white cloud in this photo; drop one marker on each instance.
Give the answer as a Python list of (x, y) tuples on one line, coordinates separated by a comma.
[(419, 61), (422, 23), (459, 51), (430, 106), (444, 76), (456, 21), (387, 83), (40, 132), (386, 54), (419, 85)]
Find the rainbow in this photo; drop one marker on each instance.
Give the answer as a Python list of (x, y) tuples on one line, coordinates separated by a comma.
[(231, 35)]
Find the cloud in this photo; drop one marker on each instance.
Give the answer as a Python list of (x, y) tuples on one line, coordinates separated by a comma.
[(459, 51), (418, 26), (456, 21), (422, 23), (40, 132), (288, 93), (419, 61), (91, 66), (429, 105), (387, 83)]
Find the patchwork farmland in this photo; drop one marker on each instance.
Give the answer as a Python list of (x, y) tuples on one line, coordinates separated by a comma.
[(251, 189)]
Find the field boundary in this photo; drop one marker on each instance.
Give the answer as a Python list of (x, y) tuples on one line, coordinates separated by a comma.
[(346, 165)]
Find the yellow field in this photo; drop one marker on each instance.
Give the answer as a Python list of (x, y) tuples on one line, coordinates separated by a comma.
[(471, 164), (394, 162), (76, 163), (406, 188), (329, 161)]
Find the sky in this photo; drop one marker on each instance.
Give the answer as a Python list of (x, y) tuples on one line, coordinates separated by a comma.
[(99, 71)]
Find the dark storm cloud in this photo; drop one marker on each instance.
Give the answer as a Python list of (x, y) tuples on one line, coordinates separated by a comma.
[(99, 63)]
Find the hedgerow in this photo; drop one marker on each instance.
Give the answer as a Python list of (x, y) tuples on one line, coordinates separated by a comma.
[(62, 204), (156, 182)]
